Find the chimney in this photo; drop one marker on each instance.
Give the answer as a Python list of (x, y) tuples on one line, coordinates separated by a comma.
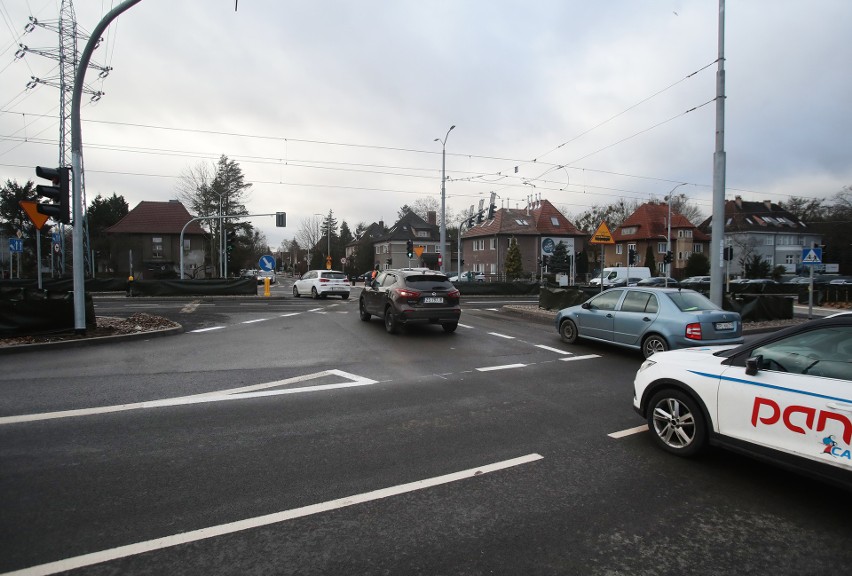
[(768, 204), (739, 201), (432, 217)]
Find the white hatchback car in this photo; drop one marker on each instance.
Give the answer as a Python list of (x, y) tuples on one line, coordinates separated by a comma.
[(322, 283), (785, 398)]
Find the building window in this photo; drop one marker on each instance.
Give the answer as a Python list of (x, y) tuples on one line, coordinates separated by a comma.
[(629, 230), (769, 240), (494, 244), (661, 247), (555, 221), (378, 251), (157, 247), (186, 245), (698, 248), (619, 249), (790, 259), (423, 234)]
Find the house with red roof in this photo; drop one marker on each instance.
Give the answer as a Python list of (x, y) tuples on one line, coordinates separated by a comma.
[(649, 226), (146, 242), (537, 228)]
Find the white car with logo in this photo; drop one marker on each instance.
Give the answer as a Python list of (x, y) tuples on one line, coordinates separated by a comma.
[(785, 398)]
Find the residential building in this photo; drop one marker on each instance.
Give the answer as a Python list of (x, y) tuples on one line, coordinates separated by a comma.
[(537, 229), (145, 243), (764, 229), (648, 226), (390, 249)]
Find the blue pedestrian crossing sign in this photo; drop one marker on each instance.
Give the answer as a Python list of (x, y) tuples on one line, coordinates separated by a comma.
[(266, 263), (811, 255)]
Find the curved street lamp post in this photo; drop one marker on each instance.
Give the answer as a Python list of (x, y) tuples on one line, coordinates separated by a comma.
[(444, 195)]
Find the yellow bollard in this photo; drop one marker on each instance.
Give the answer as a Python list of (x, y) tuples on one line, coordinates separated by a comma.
[(266, 286)]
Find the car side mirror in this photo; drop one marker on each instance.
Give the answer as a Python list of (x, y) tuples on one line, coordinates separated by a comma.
[(752, 364), (585, 305)]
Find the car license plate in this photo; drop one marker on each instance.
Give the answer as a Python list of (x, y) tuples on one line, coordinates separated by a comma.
[(433, 300), (724, 325)]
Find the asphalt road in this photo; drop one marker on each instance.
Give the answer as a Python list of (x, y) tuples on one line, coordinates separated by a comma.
[(286, 436)]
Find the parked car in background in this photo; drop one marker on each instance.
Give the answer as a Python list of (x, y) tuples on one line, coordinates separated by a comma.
[(786, 398), (267, 274), (842, 281), (650, 319), (402, 297), (469, 277), (621, 282), (658, 281), (694, 281), (615, 274), (322, 283)]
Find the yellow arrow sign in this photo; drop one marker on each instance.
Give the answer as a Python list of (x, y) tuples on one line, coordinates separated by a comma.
[(602, 235), (31, 208), (418, 251)]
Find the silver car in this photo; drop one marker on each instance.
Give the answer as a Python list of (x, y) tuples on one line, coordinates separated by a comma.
[(650, 319)]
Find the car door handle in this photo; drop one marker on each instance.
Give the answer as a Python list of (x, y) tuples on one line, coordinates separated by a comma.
[(646, 319), (840, 406)]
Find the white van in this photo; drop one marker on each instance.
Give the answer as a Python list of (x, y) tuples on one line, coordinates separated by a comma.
[(616, 274)]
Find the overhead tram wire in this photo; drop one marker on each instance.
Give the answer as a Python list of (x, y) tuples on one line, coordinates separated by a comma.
[(556, 166)]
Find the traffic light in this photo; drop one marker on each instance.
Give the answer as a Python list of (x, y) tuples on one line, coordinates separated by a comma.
[(729, 253), (668, 257), (230, 239), (479, 217), (544, 260), (492, 207), (59, 191), (409, 247), (281, 219), (631, 256), (470, 222)]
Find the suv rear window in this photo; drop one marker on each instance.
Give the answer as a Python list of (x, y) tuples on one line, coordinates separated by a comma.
[(334, 275), (429, 282)]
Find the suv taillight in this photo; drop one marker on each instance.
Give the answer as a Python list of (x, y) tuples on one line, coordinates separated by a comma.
[(453, 294), (406, 293), (323, 280), (693, 331)]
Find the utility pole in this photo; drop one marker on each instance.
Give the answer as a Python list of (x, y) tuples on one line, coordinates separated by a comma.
[(717, 227)]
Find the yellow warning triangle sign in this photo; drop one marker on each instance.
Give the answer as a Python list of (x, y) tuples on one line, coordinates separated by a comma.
[(602, 235), (31, 208)]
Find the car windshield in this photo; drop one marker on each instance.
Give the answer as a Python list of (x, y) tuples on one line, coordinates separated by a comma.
[(691, 301), (428, 282)]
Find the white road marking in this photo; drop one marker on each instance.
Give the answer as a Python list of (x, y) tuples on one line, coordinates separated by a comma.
[(315, 310), (502, 335), (190, 307), (465, 326), (290, 314), (276, 518), (493, 309), (557, 350), (206, 329), (253, 321), (586, 357), (244, 392), (504, 367), (629, 432)]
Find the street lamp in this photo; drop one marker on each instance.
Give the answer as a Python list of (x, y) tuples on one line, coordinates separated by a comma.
[(444, 193), (669, 233)]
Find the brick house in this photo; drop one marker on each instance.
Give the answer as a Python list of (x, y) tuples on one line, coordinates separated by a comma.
[(536, 228), (146, 242)]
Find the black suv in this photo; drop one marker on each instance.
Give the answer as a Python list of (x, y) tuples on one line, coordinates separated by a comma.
[(403, 297)]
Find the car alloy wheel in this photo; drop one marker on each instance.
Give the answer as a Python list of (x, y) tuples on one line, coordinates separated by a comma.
[(362, 310), (390, 322), (314, 293), (296, 292), (676, 422), (653, 344)]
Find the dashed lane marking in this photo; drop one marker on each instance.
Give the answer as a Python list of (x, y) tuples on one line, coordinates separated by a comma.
[(557, 350), (629, 432), (267, 520), (504, 367), (206, 329), (586, 357), (253, 321), (190, 308), (465, 326), (507, 337)]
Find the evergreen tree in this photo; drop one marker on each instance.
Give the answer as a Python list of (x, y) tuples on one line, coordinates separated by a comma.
[(697, 265), (514, 263), (101, 214), (559, 261), (651, 259)]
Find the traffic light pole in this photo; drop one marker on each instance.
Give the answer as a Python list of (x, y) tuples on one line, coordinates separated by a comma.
[(220, 218), (77, 163)]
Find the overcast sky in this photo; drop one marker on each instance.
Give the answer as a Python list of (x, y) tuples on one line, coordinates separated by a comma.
[(336, 105)]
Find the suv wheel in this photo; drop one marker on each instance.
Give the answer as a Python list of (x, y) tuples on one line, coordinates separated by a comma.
[(450, 326), (296, 292), (362, 310), (391, 324), (676, 422), (314, 293)]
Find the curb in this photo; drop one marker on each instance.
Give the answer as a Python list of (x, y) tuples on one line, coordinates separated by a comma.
[(91, 341)]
